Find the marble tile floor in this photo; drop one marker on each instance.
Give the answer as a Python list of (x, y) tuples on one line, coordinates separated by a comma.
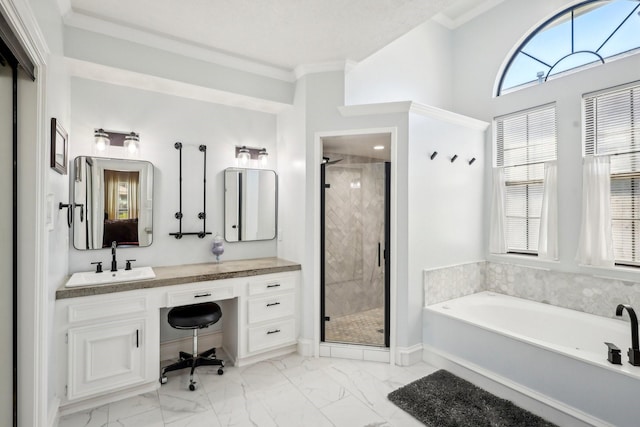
[(365, 327), (289, 391)]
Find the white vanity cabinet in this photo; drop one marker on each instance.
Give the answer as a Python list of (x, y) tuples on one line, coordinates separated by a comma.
[(269, 315), (107, 344), (109, 341)]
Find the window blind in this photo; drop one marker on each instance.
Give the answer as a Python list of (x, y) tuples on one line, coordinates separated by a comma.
[(612, 127), (524, 142)]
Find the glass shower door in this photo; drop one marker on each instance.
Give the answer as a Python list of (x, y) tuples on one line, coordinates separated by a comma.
[(354, 247)]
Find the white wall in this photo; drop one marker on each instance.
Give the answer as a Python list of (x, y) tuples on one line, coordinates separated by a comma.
[(162, 120), (476, 70), (415, 67), (445, 218)]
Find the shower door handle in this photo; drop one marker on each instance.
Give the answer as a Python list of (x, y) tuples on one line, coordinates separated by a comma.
[(378, 254)]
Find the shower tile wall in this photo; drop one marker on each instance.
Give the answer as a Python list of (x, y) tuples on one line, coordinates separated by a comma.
[(354, 205), (581, 292)]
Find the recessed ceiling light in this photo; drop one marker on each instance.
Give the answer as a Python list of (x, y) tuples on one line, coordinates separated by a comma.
[(378, 147)]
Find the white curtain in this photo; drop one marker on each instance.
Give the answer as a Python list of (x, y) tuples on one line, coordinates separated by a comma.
[(497, 234), (596, 245), (548, 238)]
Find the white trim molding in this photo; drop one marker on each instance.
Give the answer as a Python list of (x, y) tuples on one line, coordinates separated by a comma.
[(117, 76), (174, 45), (305, 347), (412, 107), (324, 67), (407, 356)]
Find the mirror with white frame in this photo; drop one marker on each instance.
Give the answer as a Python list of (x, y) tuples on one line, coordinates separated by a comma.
[(250, 204), (113, 201)]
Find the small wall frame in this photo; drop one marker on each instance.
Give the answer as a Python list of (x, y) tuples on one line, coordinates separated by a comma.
[(59, 147)]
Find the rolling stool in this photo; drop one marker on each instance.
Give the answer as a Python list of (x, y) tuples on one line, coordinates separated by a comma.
[(195, 316)]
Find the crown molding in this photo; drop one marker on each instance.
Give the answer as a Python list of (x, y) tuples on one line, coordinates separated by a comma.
[(324, 67), (112, 29), (415, 108), (117, 76), (448, 116)]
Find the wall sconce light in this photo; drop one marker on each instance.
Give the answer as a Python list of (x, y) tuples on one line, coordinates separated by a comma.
[(244, 154), (105, 139), (101, 139), (132, 142), (263, 156)]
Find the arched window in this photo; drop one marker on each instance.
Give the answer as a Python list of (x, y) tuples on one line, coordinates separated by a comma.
[(590, 33)]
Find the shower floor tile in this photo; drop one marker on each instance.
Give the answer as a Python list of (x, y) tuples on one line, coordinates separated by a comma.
[(366, 327)]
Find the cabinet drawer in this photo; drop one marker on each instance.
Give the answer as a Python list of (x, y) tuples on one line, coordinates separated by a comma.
[(203, 293), (271, 284), (271, 307), (271, 335)]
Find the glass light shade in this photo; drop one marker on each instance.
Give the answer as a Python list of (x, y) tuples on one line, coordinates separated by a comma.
[(101, 139), (132, 142), (244, 155), (263, 156)]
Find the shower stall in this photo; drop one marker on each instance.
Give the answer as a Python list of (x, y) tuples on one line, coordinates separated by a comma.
[(355, 232)]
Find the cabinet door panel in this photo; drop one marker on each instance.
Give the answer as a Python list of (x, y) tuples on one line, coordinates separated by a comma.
[(105, 357)]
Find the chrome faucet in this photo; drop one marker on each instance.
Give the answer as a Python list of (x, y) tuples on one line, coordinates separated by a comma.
[(114, 263), (634, 351)]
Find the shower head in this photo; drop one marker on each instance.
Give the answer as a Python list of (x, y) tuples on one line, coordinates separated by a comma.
[(326, 161)]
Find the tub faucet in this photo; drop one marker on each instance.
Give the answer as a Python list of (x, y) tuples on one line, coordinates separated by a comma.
[(114, 263), (634, 351)]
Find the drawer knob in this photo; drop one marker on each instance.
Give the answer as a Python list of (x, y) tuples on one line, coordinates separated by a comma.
[(272, 304), (275, 331), (275, 285), (208, 294)]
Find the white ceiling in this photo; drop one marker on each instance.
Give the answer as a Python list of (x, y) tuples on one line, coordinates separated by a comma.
[(282, 33)]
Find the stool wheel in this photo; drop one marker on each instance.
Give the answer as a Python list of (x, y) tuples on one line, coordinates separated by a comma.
[(163, 380), (220, 371), (192, 386)]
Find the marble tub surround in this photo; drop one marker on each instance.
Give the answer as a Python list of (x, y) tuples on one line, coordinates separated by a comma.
[(443, 284), (581, 292), (188, 273)]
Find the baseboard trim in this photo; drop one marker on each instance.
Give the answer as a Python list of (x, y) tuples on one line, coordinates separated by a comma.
[(70, 408), (537, 403), (407, 356), (267, 355), (52, 416), (305, 347), (169, 350)]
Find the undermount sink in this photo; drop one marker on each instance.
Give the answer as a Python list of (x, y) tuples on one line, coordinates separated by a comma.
[(88, 278)]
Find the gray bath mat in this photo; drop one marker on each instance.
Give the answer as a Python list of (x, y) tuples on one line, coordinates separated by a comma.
[(444, 400)]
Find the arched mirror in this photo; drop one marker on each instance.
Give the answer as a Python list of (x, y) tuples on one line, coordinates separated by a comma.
[(113, 201)]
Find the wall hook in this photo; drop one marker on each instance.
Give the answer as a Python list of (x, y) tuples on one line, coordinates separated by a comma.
[(453, 159), (473, 159), (433, 155)]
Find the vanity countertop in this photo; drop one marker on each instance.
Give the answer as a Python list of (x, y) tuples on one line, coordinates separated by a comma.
[(188, 273)]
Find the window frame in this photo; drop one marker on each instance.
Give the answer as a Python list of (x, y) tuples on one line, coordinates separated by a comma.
[(499, 91), (499, 162), (590, 148)]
